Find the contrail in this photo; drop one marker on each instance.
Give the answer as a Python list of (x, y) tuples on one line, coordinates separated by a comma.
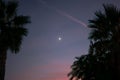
[(64, 14), (71, 17)]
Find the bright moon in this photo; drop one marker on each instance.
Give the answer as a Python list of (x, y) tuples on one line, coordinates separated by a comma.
[(59, 38)]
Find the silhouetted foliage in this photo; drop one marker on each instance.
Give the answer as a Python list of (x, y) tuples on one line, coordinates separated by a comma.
[(102, 60), (11, 31)]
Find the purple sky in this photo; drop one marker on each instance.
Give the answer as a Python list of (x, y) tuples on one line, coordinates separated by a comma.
[(42, 55)]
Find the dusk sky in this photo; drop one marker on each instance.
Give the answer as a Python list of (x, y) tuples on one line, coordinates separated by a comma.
[(57, 34)]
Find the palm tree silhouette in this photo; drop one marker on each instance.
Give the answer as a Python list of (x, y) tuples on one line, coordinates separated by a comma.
[(102, 60), (82, 68), (106, 36), (11, 31)]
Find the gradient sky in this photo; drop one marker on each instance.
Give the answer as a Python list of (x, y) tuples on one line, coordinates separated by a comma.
[(42, 55)]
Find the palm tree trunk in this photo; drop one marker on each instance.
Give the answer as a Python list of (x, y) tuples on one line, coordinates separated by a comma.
[(3, 56)]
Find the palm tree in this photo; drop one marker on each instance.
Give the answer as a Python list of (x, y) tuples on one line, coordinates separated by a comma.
[(77, 67), (102, 60), (82, 68), (91, 67), (105, 35), (11, 31)]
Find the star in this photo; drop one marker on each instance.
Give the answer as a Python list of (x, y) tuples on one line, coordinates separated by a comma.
[(59, 38)]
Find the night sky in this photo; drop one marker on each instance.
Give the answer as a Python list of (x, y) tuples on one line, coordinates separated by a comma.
[(57, 34)]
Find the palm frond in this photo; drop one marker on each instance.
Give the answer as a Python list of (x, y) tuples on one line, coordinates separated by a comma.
[(21, 20), (2, 8), (16, 37), (11, 8)]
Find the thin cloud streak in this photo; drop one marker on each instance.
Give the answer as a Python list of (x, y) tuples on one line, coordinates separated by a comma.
[(71, 17), (64, 14)]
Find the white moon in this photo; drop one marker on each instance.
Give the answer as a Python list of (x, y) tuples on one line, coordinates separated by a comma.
[(59, 38)]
